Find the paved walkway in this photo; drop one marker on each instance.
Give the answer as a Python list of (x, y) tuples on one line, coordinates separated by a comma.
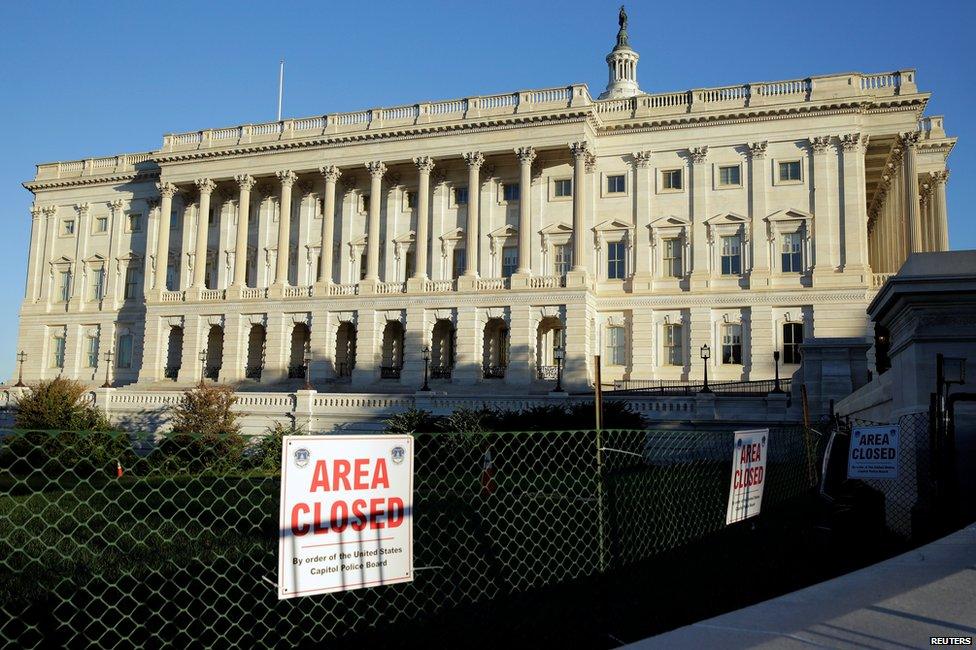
[(899, 603)]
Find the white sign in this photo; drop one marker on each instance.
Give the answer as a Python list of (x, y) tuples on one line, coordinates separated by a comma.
[(346, 513), (748, 474), (874, 452)]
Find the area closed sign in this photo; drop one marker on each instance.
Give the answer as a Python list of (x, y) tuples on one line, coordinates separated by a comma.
[(748, 474), (874, 452), (346, 519)]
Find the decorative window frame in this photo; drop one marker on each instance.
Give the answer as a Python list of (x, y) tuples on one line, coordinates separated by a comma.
[(615, 321), (140, 217), (797, 159), (552, 189), (122, 265), (613, 231), (53, 332), (670, 227), (356, 247), (731, 317), (788, 221), (95, 232), (659, 185), (792, 316), (684, 343), (62, 227), (727, 224), (451, 240), (500, 190), (554, 234), (57, 267), (403, 244), (497, 240), (452, 202), (604, 177), (91, 265), (405, 193), (717, 176)]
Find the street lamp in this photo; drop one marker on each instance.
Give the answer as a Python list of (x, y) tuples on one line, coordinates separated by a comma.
[(706, 352), (307, 358), (559, 353), (203, 366), (776, 388), (21, 357), (426, 353), (108, 367)]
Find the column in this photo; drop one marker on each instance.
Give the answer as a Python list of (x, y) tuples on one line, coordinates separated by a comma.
[(277, 348), (941, 214), (206, 188), (245, 182), (761, 341), (580, 151), (287, 179), (642, 343), (150, 368), (700, 273), (913, 219), (34, 258), (321, 344), (474, 159), (643, 191), (369, 329), (758, 181), (331, 174), (855, 208), (924, 205), (525, 155), (826, 248), (414, 339), (113, 273), (521, 345), (581, 345), (166, 192), (191, 370), (376, 170), (235, 342), (422, 240), (470, 342)]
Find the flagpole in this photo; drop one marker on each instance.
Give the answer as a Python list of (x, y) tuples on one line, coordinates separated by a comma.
[(281, 84)]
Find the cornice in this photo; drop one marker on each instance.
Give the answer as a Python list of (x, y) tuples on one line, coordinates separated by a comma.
[(111, 179)]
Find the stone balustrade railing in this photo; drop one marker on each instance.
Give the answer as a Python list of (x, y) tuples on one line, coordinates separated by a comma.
[(343, 289), (438, 286), (391, 287), (878, 279)]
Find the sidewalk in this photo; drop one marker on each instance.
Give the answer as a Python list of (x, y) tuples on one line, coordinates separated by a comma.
[(899, 603)]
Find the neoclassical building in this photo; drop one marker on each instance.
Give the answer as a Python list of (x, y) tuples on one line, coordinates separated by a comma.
[(490, 231)]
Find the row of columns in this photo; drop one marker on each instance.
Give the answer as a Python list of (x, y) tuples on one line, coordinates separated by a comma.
[(582, 156)]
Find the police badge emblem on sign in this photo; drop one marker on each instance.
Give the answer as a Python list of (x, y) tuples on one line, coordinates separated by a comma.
[(346, 517)]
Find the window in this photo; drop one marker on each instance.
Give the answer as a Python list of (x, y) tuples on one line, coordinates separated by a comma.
[(98, 284), (174, 221), (101, 224), (135, 222), (789, 171), (409, 262), (616, 184), (57, 351), (673, 267), (616, 346), (364, 203), (509, 261), (460, 262), (363, 264), (731, 255), (616, 252), (671, 179), (91, 352), (792, 253), (562, 188), (411, 200), (563, 258), (68, 227), (673, 348), (131, 283), (729, 175), (123, 357), (211, 217), (732, 344), (171, 279), (510, 192), (460, 196), (64, 289), (792, 338)]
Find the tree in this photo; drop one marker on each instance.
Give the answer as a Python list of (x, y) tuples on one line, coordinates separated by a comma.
[(205, 431), (58, 404)]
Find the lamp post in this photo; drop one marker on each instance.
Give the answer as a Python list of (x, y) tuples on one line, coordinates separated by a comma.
[(21, 357), (776, 388), (108, 367), (559, 353), (706, 353), (426, 352), (203, 366), (307, 358)]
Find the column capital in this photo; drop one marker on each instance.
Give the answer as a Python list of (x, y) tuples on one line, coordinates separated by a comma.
[(854, 142), (525, 155), (580, 149), (941, 176), (287, 177), (245, 182), (330, 172), (909, 139), (376, 169), (698, 154), (474, 159), (642, 159), (820, 144), (757, 150), (116, 205), (425, 164), (49, 210), (83, 208), (166, 190), (36, 211), (205, 185)]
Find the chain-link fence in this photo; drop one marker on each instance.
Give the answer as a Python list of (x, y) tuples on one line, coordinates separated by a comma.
[(173, 541)]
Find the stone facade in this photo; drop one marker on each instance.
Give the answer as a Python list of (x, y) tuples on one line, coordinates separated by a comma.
[(490, 230)]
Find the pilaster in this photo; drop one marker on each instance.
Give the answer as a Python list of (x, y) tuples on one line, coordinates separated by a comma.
[(642, 343), (470, 339), (194, 341), (579, 276), (761, 342), (475, 160), (277, 348), (522, 341), (855, 209), (414, 340), (376, 170), (581, 345), (643, 279), (166, 192), (152, 345), (826, 240), (331, 173), (368, 348), (700, 333), (700, 274), (78, 288), (758, 182), (322, 345), (232, 359)]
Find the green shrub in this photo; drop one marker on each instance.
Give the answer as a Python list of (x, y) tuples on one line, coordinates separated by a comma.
[(205, 432), (413, 420), (267, 454), (58, 404)]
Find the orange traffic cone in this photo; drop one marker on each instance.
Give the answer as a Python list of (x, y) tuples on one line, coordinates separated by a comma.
[(118, 469)]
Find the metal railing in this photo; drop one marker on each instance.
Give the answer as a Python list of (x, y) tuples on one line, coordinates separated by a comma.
[(441, 372), (389, 372), (547, 373), (493, 372), (757, 388)]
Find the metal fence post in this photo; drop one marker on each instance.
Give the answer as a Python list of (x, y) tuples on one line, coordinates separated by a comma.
[(601, 536)]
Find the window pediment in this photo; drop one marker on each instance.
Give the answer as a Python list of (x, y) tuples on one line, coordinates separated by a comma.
[(557, 228), (612, 225), (406, 238), (787, 221), (727, 219), (670, 221)]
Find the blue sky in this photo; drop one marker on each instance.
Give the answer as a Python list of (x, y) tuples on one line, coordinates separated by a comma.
[(85, 79)]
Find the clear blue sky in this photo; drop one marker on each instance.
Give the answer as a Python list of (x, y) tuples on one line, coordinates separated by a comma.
[(86, 79)]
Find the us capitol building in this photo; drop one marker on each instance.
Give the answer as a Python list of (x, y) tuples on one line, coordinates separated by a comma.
[(490, 234)]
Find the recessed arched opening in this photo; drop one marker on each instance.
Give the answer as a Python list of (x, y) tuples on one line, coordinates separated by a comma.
[(174, 353), (550, 334), (495, 353), (392, 350), (345, 354), (442, 350), (300, 338), (215, 352), (255, 352)]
